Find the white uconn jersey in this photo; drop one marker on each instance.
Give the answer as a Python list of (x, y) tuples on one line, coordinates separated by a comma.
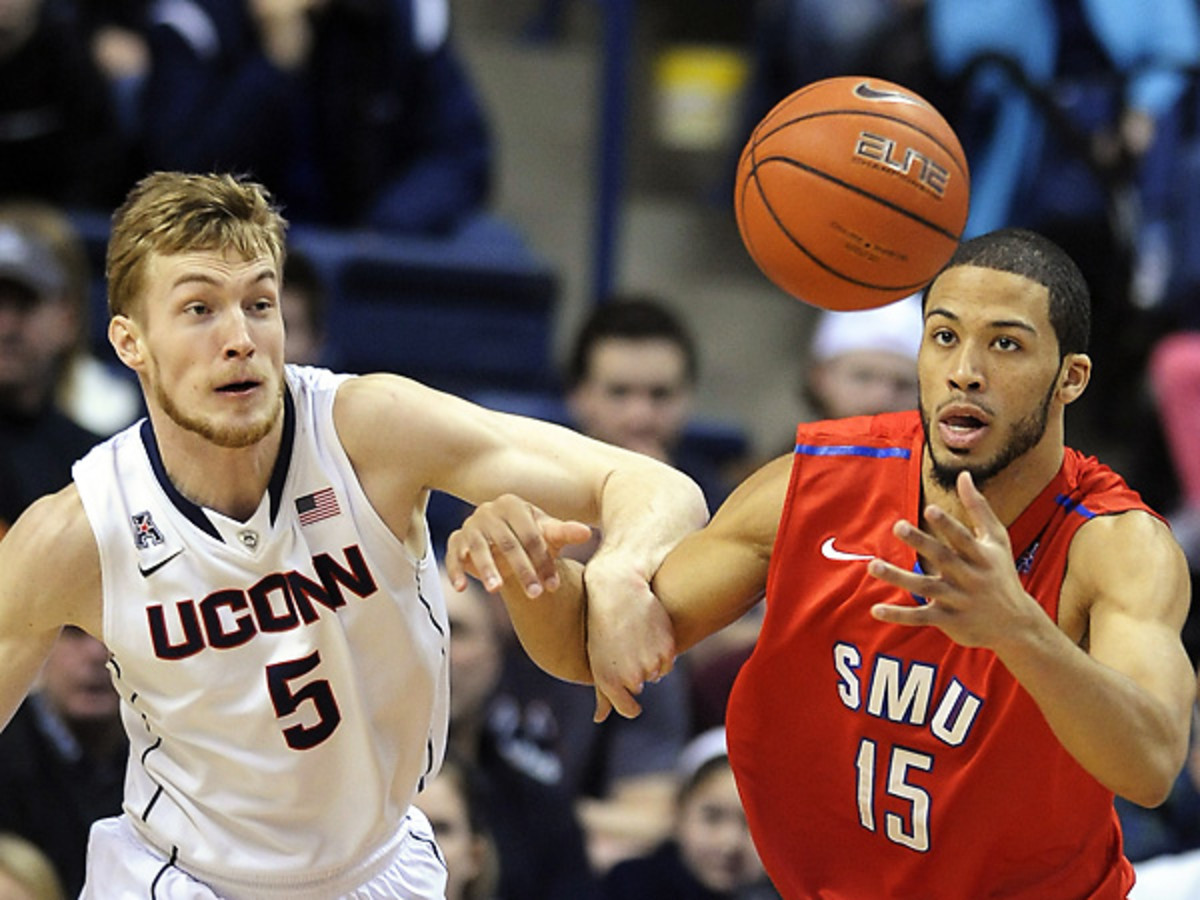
[(284, 680)]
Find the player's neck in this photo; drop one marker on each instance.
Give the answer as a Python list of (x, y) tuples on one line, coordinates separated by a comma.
[(1009, 492), (231, 481)]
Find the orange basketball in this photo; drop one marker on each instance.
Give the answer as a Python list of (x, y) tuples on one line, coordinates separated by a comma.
[(851, 193)]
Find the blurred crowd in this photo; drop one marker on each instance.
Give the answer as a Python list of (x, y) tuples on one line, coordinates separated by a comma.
[(1079, 118)]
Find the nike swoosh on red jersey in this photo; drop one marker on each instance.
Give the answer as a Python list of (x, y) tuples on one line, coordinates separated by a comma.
[(831, 552)]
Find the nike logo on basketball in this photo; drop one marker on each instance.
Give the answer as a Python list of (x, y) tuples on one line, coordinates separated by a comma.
[(147, 571), (831, 552), (866, 92)]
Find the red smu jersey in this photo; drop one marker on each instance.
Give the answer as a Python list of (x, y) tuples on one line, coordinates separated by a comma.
[(881, 761)]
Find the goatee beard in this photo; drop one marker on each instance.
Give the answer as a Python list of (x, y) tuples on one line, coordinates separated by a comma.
[(229, 437), (1023, 436)]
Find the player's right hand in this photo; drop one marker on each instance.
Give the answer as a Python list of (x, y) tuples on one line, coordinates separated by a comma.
[(510, 539)]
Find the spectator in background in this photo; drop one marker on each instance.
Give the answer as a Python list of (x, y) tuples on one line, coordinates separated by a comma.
[(631, 381), (62, 757), (25, 872), (56, 400), (304, 299), (357, 113), (59, 136), (116, 34), (538, 839), (1174, 370), (709, 855), (92, 393), (1175, 378), (39, 328), (453, 804), (864, 362)]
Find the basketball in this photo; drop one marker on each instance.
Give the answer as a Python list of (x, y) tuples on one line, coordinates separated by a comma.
[(851, 193)]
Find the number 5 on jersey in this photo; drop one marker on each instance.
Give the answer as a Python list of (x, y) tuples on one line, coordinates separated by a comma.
[(287, 699)]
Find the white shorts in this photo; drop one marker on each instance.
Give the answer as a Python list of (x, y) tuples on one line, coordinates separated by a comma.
[(122, 865)]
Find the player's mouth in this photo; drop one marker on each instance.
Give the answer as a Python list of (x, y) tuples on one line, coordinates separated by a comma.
[(239, 388), (962, 426)]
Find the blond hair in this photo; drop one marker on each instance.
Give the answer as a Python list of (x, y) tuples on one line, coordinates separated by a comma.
[(26, 864), (174, 212)]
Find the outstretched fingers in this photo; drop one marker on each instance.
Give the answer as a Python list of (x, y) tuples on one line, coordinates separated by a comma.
[(510, 538)]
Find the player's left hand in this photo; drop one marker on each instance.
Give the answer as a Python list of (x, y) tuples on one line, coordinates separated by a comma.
[(630, 637), (970, 583)]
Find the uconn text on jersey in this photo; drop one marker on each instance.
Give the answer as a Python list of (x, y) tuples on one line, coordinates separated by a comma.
[(281, 601)]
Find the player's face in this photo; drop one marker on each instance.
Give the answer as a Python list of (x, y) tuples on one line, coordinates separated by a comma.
[(988, 370), (636, 395), (713, 837), (211, 344)]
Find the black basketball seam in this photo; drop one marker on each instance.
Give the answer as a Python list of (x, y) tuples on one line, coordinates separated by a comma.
[(882, 201), (961, 165), (752, 175), (800, 93)]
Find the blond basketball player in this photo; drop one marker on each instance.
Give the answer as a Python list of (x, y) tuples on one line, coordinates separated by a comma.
[(255, 556)]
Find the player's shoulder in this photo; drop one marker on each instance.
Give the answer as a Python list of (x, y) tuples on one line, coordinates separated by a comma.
[(52, 546), (1110, 553), (56, 519), (1117, 535), (883, 429)]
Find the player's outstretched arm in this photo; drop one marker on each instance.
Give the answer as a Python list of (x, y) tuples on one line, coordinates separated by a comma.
[(708, 581), (1124, 710), (49, 577), (406, 440), (1120, 699)]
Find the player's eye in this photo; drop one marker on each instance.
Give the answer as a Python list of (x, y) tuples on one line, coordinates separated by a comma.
[(942, 336)]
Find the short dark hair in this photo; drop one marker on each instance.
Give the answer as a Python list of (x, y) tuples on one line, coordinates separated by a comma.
[(635, 318), (1029, 254)]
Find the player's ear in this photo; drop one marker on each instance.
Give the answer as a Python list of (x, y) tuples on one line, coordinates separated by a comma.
[(126, 339), (1074, 373)]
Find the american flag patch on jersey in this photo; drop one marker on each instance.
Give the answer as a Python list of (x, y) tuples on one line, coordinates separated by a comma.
[(318, 505)]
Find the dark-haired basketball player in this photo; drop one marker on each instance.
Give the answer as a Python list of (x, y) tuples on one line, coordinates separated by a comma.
[(972, 633)]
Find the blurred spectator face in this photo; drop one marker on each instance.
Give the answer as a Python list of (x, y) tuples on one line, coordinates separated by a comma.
[(75, 679), (39, 325), (635, 394), (865, 382), (302, 342), (36, 334), (18, 19), (443, 802), (475, 651), (865, 362), (713, 837)]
